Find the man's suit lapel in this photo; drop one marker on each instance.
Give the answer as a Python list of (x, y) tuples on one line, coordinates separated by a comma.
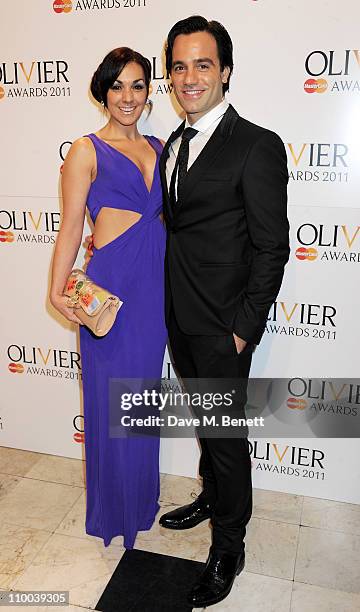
[(163, 159), (211, 150)]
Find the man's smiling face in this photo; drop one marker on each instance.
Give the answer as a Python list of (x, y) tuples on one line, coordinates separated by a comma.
[(196, 74)]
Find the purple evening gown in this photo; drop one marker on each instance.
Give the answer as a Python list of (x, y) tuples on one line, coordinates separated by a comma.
[(122, 474)]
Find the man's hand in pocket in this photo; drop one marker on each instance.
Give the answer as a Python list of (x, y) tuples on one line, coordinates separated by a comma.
[(239, 343)]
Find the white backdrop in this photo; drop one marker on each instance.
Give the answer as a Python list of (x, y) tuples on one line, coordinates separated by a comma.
[(297, 72)]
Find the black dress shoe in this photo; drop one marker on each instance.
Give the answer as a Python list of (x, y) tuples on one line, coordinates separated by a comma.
[(217, 579), (187, 516)]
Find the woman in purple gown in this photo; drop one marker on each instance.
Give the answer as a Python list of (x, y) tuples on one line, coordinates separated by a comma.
[(115, 173)]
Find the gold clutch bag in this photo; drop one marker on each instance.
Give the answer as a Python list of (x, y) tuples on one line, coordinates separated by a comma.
[(95, 307)]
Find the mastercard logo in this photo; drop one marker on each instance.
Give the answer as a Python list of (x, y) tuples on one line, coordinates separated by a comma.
[(16, 368), (309, 253), (2, 93), (296, 404), (6, 236), (79, 437), (62, 6), (315, 86)]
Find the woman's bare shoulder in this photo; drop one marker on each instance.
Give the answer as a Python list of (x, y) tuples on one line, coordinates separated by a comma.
[(82, 145), (82, 149)]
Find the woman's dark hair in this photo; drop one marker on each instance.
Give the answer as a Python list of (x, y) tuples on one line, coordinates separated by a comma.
[(196, 23), (111, 66)]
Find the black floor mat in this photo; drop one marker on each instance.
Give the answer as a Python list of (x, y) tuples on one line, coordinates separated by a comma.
[(149, 582)]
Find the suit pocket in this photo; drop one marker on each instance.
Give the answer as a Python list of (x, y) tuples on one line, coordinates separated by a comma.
[(222, 264), (249, 347), (211, 178)]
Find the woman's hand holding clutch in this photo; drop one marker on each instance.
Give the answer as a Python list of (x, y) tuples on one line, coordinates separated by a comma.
[(60, 302)]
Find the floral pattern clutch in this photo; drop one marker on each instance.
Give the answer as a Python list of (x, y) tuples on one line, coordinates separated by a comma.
[(95, 306)]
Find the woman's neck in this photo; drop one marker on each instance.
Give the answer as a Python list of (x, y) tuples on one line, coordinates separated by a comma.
[(114, 130)]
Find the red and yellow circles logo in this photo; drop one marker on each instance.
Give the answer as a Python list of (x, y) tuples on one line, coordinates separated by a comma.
[(293, 403), (62, 6), (2, 93), (6, 236), (315, 86), (16, 368), (306, 254)]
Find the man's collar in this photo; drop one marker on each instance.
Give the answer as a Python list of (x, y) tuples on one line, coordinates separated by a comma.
[(203, 124)]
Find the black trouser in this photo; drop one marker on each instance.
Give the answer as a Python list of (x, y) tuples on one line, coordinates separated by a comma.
[(225, 465)]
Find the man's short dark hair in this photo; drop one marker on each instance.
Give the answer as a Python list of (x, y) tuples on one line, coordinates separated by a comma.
[(111, 66), (196, 23)]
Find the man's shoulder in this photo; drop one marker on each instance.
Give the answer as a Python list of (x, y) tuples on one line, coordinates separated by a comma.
[(252, 130)]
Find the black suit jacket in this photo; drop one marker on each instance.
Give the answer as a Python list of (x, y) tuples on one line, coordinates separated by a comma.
[(228, 235)]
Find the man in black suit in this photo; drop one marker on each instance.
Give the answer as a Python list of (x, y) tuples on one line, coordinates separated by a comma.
[(224, 181)]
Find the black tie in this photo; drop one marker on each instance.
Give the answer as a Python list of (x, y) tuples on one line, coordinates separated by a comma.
[(181, 163)]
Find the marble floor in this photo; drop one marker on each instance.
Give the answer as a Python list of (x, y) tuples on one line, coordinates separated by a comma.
[(303, 554)]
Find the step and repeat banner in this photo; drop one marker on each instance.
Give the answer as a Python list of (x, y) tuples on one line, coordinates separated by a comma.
[(297, 72)]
